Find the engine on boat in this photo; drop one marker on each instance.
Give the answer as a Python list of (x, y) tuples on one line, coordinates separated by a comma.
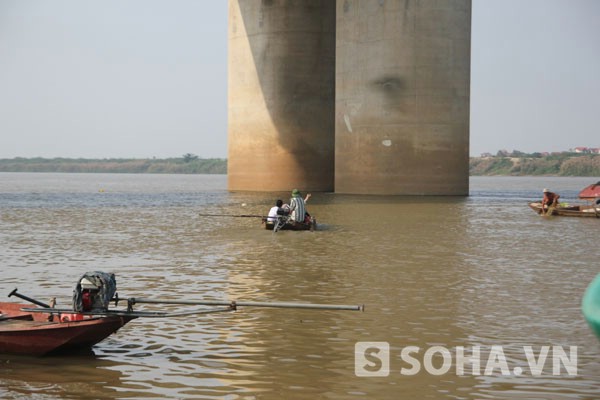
[(94, 291)]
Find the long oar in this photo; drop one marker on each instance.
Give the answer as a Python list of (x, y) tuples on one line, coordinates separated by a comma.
[(124, 313), (234, 304), (234, 215)]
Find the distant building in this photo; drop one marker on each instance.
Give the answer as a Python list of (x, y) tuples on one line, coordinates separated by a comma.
[(581, 150)]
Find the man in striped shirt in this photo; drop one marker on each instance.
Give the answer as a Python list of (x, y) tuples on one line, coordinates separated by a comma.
[(298, 206)]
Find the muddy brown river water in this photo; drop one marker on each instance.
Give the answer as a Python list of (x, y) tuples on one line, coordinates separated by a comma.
[(481, 276)]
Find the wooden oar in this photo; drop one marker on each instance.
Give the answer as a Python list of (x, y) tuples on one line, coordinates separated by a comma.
[(233, 215), (234, 304), (229, 306), (150, 314)]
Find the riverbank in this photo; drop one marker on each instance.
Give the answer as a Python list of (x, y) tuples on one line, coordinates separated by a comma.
[(554, 165), (188, 164), (568, 164)]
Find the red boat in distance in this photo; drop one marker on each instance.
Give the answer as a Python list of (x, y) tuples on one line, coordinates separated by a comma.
[(40, 333), (590, 192)]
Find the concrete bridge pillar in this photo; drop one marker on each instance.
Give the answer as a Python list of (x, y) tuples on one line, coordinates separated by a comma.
[(281, 95), (402, 97), (356, 96)]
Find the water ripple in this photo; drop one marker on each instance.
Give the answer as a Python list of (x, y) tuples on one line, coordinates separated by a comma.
[(479, 271)]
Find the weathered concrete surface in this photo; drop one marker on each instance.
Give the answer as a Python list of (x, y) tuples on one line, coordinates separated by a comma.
[(402, 97), (360, 96), (281, 95)]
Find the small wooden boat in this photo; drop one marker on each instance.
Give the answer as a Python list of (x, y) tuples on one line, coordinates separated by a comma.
[(41, 333), (46, 330), (284, 222), (590, 305), (567, 211)]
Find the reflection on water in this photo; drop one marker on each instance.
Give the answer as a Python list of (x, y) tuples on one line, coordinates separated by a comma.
[(478, 271)]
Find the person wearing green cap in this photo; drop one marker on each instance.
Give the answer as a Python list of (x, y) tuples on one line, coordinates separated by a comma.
[(298, 206)]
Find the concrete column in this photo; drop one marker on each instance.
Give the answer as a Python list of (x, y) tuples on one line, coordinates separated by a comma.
[(281, 95), (402, 97)]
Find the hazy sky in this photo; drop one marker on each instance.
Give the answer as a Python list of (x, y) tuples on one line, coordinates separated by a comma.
[(148, 78)]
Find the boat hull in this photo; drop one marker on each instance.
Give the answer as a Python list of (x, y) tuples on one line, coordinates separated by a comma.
[(34, 334), (568, 211), (292, 226), (298, 226)]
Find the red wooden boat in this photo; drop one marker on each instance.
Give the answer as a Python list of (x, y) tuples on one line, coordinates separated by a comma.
[(590, 192), (48, 330), (41, 333)]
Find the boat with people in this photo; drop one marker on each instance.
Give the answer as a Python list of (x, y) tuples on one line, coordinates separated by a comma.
[(282, 217), (277, 223), (592, 211), (293, 216), (48, 330), (590, 193)]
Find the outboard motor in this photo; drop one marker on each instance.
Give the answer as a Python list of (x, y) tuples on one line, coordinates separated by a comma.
[(94, 291)]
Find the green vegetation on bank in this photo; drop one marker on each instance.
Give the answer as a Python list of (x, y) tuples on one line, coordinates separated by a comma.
[(187, 164), (563, 164)]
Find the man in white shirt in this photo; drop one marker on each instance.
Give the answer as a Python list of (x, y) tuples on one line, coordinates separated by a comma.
[(274, 211)]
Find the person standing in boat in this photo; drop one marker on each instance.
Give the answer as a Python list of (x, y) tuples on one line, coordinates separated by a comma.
[(298, 206), (550, 199)]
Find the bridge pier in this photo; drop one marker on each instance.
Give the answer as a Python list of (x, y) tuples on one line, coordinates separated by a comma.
[(352, 96), (281, 95)]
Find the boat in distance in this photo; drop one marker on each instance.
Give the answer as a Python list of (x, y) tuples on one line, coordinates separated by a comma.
[(591, 192), (592, 211), (281, 222)]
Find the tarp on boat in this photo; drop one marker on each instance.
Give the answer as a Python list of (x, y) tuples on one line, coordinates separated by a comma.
[(590, 192), (93, 291), (590, 305)]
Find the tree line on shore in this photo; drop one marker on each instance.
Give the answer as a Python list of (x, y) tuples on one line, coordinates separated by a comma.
[(187, 164), (554, 165), (563, 164)]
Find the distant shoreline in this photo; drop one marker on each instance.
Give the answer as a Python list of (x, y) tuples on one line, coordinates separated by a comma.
[(188, 164), (565, 164), (553, 165)]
